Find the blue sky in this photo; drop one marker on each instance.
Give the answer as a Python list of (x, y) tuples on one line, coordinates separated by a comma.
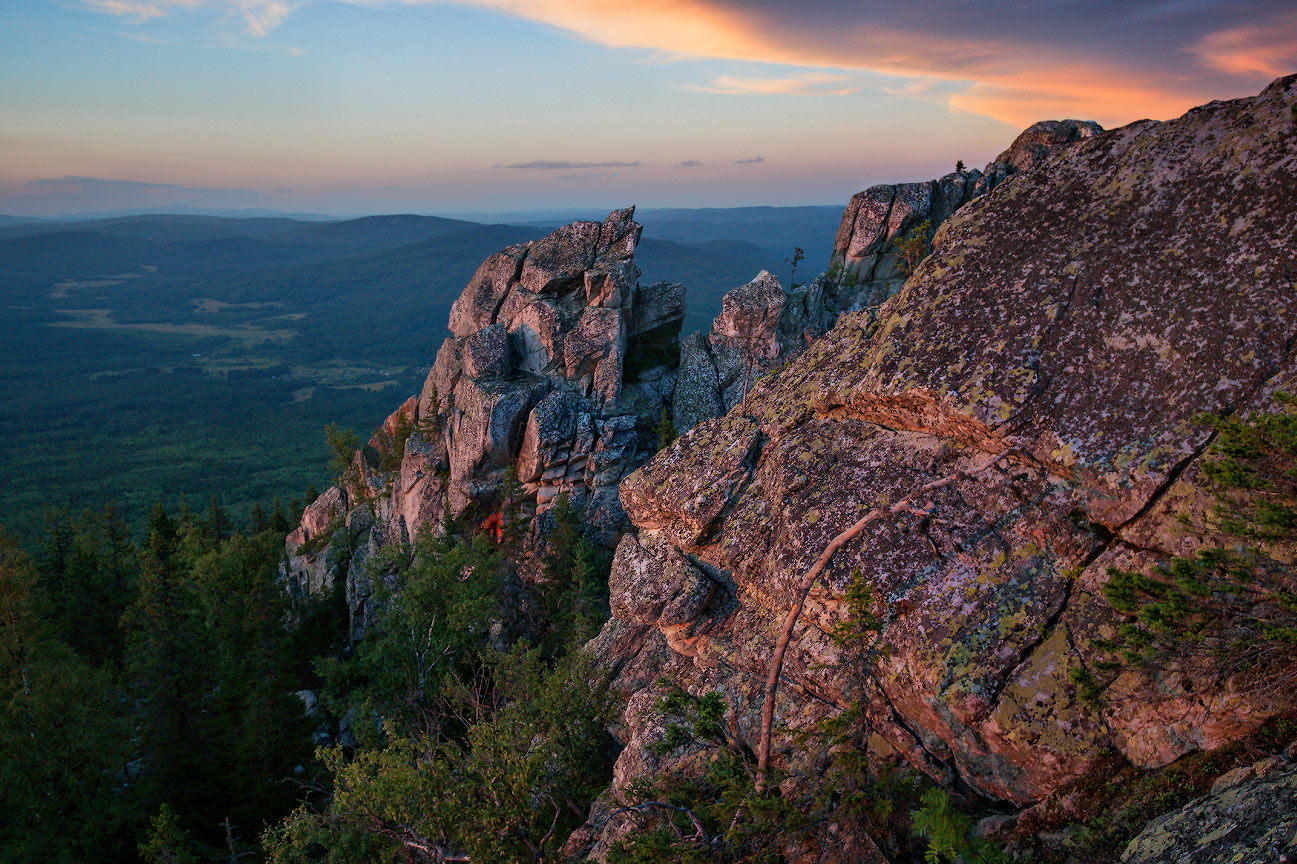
[(427, 106)]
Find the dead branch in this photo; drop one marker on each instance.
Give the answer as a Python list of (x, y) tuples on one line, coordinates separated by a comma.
[(700, 832), (905, 505)]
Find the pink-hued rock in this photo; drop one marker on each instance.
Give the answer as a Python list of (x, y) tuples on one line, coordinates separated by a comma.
[(478, 305), (866, 267), (1086, 316), (531, 380)]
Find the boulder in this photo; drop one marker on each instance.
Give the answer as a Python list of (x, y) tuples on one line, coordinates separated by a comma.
[(487, 353), (1250, 817)]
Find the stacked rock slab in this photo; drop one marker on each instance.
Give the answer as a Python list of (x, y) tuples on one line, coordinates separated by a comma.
[(750, 335), (1085, 318), (554, 369)]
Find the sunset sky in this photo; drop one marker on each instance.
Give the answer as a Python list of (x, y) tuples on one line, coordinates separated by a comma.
[(433, 106)]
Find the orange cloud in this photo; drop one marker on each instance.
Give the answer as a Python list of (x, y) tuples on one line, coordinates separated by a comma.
[(1252, 50), (803, 83), (1012, 79)]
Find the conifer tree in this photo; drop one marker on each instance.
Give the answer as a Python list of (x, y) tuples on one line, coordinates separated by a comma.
[(278, 519), (259, 522), (218, 521)]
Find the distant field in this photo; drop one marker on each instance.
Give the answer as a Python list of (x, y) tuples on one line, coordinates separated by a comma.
[(102, 319)]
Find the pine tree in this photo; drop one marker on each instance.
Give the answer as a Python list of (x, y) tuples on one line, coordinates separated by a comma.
[(218, 521), (278, 519), (259, 521), (62, 739), (161, 532)]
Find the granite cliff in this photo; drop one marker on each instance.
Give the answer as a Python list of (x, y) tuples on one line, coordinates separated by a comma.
[(1078, 319), (558, 370)]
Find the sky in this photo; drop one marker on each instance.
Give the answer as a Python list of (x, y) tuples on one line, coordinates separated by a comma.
[(349, 107)]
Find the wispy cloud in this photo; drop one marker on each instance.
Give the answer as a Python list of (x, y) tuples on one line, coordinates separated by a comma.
[(1252, 50), (801, 83), (140, 10), (755, 160), (688, 163), (255, 17), (96, 185), (560, 165)]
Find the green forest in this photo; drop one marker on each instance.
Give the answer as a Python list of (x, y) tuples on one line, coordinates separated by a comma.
[(172, 357), (165, 701), (154, 702)]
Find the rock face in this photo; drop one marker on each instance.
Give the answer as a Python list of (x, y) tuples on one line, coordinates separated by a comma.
[(762, 323), (559, 367), (866, 267), (1250, 817), (746, 340), (1080, 318)]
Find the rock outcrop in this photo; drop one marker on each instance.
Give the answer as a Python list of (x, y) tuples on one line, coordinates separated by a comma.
[(761, 325), (756, 329), (1078, 321), (1250, 817), (559, 368), (866, 267)]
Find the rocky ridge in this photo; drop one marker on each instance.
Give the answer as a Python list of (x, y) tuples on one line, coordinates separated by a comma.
[(762, 325), (1078, 319), (558, 368), (866, 265)]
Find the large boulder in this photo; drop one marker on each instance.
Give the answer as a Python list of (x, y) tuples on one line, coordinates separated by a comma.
[(1076, 325), (1250, 817)]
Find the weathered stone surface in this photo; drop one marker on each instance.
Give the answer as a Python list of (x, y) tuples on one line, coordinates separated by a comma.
[(1250, 817), (1085, 316), (549, 435), (697, 392), (688, 487), (865, 268), (661, 304), (478, 305), (654, 584), (485, 426), (487, 353), (420, 493), (593, 352), (1035, 143), (321, 516)]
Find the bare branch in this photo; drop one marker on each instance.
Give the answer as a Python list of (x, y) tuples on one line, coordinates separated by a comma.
[(700, 832), (905, 505)]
